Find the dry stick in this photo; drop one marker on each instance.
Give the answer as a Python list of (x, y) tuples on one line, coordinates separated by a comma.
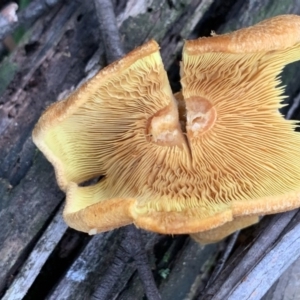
[(110, 33), (131, 244)]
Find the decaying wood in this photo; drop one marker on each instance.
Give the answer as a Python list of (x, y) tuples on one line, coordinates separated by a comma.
[(30, 194), (84, 272), (58, 53), (267, 256), (40, 253)]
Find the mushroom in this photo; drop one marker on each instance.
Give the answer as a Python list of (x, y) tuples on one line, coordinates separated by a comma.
[(206, 161)]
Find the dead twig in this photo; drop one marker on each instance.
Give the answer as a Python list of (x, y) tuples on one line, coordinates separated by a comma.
[(131, 247), (108, 24)]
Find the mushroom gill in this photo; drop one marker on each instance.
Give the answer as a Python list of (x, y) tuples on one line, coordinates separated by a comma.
[(236, 158)]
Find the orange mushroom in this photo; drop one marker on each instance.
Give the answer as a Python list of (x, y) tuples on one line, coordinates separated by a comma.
[(207, 161)]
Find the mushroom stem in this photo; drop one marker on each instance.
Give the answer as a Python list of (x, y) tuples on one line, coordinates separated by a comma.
[(110, 33)]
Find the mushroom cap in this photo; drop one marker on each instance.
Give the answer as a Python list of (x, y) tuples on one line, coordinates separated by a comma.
[(186, 163), (276, 33)]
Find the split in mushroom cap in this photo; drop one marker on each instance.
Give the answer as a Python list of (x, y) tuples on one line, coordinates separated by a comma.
[(236, 155)]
